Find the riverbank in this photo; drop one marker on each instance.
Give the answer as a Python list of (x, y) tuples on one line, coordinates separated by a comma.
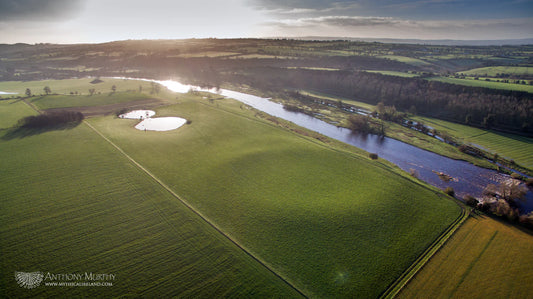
[(339, 117), (468, 179)]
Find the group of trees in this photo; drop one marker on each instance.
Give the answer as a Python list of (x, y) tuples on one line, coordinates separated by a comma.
[(502, 200), (47, 90)]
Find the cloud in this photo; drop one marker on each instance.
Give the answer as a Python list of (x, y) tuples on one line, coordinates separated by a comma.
[(408, 9), (388, 27), (38, 10), (305, 7)]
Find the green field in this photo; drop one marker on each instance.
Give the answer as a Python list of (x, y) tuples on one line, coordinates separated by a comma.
[(484, 259), (332, 222), (510, 146), (67, 101), (394, 73), (306, 209), (485, 84), (13, 110), (71, 203), (493, 71), (405, 59), (66, 86)]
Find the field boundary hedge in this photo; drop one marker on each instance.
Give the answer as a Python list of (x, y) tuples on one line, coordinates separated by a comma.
[(398, 285)]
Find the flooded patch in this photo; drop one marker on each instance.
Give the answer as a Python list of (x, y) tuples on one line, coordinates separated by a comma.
[(161, 123), (138, 114), (154, 124)]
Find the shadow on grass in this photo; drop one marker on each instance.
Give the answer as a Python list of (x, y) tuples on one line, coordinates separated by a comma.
[(24, 131)]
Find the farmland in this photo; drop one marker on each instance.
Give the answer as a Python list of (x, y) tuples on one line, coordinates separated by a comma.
[(93, 208), (12, 111), (71, 204), (485, 84), (477, 262), (238, 203), (285, 216), (496, 71), (393, 73), (518, 148)]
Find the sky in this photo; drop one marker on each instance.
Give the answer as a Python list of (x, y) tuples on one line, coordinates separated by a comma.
[(95, 21)]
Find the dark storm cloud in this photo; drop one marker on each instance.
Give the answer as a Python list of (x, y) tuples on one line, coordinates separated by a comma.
[(38, 10)]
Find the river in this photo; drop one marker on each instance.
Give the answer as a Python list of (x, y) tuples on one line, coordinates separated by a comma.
[(467, 178)]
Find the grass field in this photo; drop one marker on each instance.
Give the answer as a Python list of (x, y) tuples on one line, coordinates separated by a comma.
[(66, 86), (514, 147), (484, 259), (332, 222), (71, 203), (493, 71), (318, 216), (394, 73), (13, 110), (405, 59), (65, 101), (486, 84)]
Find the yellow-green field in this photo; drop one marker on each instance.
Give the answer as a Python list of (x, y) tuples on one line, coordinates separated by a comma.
[(484, 259), (493, 71), (13, 110), (486, 84), (67, 86), (394, 73)]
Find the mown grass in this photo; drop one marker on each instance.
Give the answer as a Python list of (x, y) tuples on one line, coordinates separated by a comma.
[(484, 259), (334, 223), (11, 111), (71, 203), (394, 73), (405, 59), (485, 84), (65, 101), (518, 148), (66, 86), (493, 71)]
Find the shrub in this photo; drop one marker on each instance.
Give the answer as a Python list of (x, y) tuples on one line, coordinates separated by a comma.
[(516, 176), (359, 124), (449, 191), (529, 182), (121, 111), (51, 119), (470, 200), (373, 156)]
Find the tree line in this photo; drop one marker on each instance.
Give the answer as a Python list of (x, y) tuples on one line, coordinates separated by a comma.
[(51, 119), (504, 110)]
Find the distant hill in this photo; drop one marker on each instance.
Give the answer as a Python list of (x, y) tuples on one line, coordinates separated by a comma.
[(443, 42)]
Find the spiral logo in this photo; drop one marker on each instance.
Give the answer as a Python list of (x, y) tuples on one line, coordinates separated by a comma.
[(29, 280)]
